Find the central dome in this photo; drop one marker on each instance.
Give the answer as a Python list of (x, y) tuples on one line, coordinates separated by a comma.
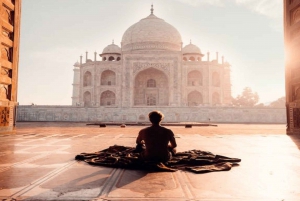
[(151, 33)]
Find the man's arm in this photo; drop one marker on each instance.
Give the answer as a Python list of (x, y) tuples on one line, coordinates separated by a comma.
[(139, 138), (172, 140)]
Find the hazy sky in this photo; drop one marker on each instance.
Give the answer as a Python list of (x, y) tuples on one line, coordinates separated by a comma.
[(54, 33)]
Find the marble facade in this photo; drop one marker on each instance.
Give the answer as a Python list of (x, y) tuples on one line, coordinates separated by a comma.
[(151, 68), (151, 71)]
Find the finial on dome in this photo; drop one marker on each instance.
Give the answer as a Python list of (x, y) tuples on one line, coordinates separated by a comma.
[(113, 41), (151, 9), (190, 41)]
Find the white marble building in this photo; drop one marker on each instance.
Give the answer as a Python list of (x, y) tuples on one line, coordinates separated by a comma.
[(152, 68), (151, 71)]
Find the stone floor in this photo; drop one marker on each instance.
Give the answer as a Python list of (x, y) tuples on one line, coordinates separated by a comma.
[(37, 163)]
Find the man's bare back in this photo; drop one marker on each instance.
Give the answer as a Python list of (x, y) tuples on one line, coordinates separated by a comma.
[(158, 140)]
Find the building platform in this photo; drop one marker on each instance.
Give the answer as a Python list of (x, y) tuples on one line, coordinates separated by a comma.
[(37, 163)]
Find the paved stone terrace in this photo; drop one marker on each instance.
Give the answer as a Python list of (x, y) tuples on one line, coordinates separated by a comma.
[(37, 163)]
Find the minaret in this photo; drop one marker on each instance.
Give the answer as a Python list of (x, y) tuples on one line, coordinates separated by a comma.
[(76, 84), (226, 84)]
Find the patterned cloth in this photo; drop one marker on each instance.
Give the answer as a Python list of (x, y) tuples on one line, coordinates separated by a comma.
[(196, 161)]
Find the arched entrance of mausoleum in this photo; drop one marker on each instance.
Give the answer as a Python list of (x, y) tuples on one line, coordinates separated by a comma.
[(195, 98), (151, 87)]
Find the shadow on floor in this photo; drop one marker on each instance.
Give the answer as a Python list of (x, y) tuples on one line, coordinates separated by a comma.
[(296, 140), (74, 184)]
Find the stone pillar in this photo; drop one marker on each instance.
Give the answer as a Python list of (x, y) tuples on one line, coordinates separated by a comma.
[(292, 67), (76, 84), (80, 82), (10, 41)]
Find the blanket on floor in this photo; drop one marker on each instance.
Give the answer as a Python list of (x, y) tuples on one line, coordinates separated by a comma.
[(196, 161)]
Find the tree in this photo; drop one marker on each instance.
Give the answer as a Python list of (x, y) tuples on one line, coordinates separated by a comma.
[(279, 103), (246, 99)]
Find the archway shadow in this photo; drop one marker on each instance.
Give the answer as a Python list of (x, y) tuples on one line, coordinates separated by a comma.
[(97, 174), (100, 179), (296, 140)]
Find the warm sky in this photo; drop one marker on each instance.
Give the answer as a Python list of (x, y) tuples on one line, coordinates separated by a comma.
[(54, 33)]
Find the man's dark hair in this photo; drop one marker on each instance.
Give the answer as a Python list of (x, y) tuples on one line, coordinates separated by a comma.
[(155, 117)]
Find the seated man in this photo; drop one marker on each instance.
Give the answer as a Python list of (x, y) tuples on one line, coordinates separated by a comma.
[(159, 141)]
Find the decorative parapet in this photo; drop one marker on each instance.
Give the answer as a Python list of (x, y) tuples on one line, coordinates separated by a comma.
[(172, 114)]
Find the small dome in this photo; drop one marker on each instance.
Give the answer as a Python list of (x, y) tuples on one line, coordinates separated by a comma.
[(89, 60), (191, 49), (111, 49), (77, 64), (227, 64)]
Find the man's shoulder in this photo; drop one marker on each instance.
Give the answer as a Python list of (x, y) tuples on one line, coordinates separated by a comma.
[(167, 129), (150, 129), (144, 129)]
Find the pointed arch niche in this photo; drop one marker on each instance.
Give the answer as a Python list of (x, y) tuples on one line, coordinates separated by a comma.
[(216, 98), (87, 79), (87, 99), (195, 78), (107, 98), (215, 79), (195, 98), (151, 87), (108, 77)]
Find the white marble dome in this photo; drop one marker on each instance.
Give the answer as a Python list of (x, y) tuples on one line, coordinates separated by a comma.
[(151, 33), (191, 49), (111, 49), (77, 64)]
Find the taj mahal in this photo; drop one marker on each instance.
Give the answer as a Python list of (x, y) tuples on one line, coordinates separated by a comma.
[(151, 68)]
